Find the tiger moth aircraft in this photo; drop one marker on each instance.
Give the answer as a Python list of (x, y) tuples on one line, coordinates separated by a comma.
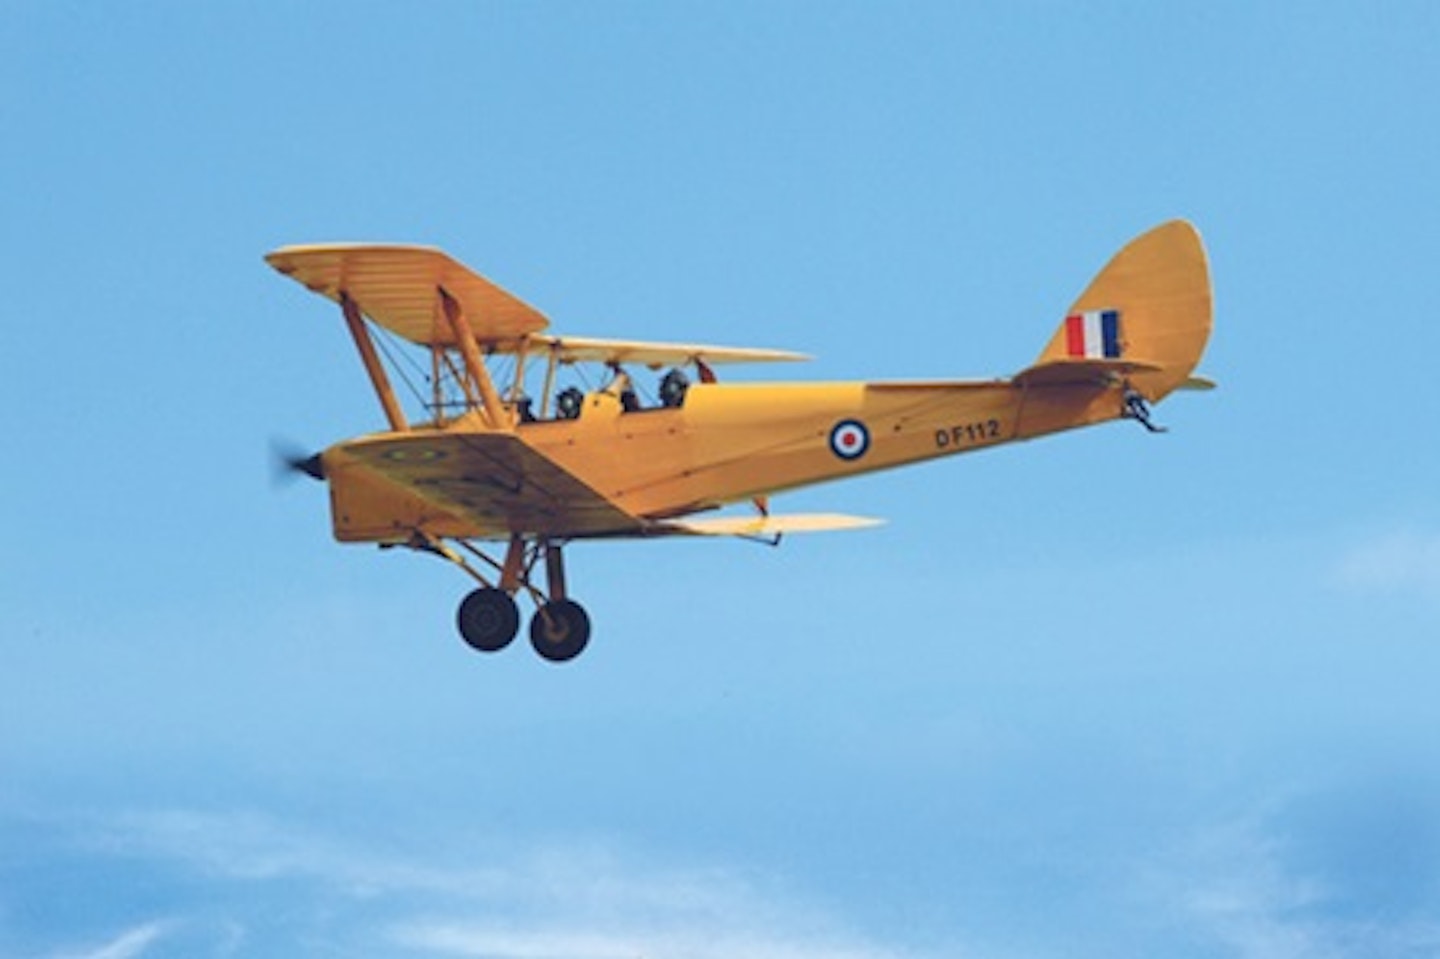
[(504, 464)]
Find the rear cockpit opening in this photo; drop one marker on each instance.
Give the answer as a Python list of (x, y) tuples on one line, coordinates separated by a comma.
[(569, 400)]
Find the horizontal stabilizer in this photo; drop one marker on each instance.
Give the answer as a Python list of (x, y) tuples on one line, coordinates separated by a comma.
[(1200, 383), (1078, 372), (926, 386), (768, 525)]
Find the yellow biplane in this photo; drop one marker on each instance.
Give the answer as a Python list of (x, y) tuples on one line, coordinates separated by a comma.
[(504, 451)]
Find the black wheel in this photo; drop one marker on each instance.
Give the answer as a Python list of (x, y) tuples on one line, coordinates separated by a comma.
[(488, 619), (560, 630)]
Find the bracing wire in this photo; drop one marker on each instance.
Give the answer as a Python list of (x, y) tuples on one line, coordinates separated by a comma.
[(391, 349)]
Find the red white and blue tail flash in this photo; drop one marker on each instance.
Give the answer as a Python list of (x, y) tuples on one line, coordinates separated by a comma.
[(1093, 335)]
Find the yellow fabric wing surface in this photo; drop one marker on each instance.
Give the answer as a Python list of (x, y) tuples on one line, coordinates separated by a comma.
[(769, 525), (495, 481), (396, 286), (577, 349)]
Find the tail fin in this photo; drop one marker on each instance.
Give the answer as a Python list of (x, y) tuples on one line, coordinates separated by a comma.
[(1146, 317)]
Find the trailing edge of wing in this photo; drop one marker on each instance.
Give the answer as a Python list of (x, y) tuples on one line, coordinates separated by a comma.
[(768, 525)]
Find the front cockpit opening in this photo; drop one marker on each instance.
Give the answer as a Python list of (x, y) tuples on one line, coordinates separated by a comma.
[(634, 395), (568, 392), (673, 387), (568, 403)]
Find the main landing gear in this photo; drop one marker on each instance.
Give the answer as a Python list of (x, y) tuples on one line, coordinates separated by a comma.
[(489, 618)]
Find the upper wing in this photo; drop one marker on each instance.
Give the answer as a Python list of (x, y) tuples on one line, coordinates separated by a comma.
[(576, 349), (495, 481), (396, 286)]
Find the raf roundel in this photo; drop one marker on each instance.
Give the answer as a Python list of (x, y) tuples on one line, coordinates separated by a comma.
[(849, 439)]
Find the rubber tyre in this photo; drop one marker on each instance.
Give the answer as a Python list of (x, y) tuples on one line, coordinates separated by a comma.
[(488, 620), (560, 631)]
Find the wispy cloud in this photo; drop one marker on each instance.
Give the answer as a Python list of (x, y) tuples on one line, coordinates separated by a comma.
[(1236, 886), (573, 900), (1246, 887), (127, 945), (252, 846), (1401, 561), (1239, 893), (464, 939)]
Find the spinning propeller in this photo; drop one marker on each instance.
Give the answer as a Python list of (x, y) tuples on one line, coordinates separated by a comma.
[(291, 461)]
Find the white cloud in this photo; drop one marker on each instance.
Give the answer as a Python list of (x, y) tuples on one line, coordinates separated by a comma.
[(1237, 888), (578, 901), (591, 904), (128, 945), (464, 939), (249, 846), (1240, 894), (1234, 886), (1402, 561)]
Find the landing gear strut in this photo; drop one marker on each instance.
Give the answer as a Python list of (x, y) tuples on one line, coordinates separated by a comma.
[(489, 618)]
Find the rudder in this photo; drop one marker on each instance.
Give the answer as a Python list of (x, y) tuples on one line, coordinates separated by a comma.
[(1147, 312)]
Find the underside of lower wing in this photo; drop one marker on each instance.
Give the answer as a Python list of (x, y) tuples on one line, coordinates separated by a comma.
[(763, 527), (493, 486), (484, 485)]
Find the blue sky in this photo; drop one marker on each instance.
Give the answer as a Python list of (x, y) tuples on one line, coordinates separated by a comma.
[(1106, 695)]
